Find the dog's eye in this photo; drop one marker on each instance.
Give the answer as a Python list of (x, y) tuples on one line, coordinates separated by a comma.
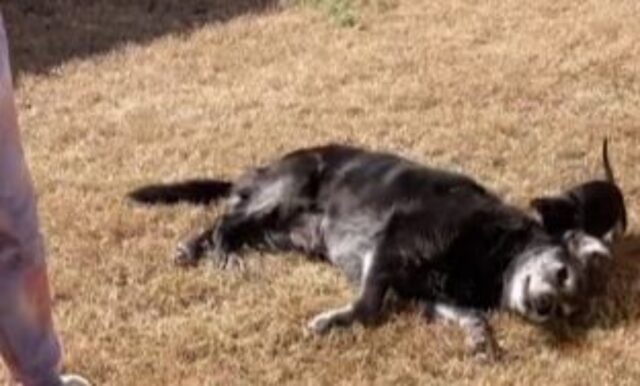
[(562, 275), (600, 255)]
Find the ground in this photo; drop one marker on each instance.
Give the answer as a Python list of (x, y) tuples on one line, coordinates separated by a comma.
[(116, 94)]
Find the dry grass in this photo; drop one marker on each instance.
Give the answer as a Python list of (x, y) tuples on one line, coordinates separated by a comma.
[(516, 93)]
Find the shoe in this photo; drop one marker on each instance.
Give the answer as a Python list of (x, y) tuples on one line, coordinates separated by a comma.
[(73, 380)]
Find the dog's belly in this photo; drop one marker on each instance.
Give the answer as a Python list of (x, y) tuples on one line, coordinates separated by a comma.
[(348, 252), (304, 234), (351, 243)]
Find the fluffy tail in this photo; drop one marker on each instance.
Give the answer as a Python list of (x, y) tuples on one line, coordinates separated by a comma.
[(198, 191), (607, 165)]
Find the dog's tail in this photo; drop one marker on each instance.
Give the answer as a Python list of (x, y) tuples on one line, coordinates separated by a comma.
[(196, 191), (608, 171)]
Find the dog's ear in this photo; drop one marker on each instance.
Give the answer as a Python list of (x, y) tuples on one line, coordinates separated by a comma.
[(587, 249), (558, 214), (594, 256), (546, 205)]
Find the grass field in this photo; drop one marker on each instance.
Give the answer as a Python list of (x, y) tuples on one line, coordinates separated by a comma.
[(116, 94)]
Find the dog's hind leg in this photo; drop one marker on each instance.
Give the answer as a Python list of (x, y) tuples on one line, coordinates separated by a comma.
[(191, 250), (225, 238), (235, 230), (260, 204), (232, 233), (365, 309), (479, 332)]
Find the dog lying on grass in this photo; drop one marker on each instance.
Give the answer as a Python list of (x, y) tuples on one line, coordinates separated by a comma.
[(393, 225), (596, 207)]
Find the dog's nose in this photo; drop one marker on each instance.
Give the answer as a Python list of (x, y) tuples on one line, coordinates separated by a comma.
[(543, 304)]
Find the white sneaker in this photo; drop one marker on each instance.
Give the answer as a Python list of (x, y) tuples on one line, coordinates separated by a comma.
[(73, 380)]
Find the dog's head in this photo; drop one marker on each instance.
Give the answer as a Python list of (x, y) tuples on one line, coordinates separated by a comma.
[(551, 281)]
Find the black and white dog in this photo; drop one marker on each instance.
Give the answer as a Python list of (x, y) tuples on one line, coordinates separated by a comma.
[(393, 225), (597, 207)]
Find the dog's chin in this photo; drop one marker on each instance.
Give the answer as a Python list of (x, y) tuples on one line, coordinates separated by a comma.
[(560, 316), (534, 317), (525, 308)]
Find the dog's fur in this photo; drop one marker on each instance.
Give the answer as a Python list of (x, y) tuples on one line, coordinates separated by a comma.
[(597, 207), (393, 225)]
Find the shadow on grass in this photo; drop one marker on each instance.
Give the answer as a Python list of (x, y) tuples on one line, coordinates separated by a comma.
[(45, 34), (620, 302)]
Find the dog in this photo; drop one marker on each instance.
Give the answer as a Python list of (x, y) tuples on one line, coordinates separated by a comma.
[(597, 207), (393, 225)]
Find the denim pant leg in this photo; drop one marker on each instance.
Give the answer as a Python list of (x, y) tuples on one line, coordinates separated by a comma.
[(28, 343)]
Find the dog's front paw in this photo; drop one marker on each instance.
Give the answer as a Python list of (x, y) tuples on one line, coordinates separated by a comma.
[(486, 350), (327, 320), (185, 256), (229, 261), (320, 324), (427, 311)]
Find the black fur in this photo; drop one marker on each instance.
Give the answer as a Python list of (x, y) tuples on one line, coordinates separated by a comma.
[(197, 191)]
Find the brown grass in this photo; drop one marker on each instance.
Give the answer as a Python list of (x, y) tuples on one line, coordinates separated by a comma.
[(519, 94)]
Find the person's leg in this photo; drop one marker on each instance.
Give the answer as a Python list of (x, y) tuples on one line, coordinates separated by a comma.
[(28, 342)]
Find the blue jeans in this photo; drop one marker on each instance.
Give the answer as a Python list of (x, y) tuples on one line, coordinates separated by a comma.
[(28, 343)]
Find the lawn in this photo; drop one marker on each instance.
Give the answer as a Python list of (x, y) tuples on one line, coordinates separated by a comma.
[(114, 94)]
